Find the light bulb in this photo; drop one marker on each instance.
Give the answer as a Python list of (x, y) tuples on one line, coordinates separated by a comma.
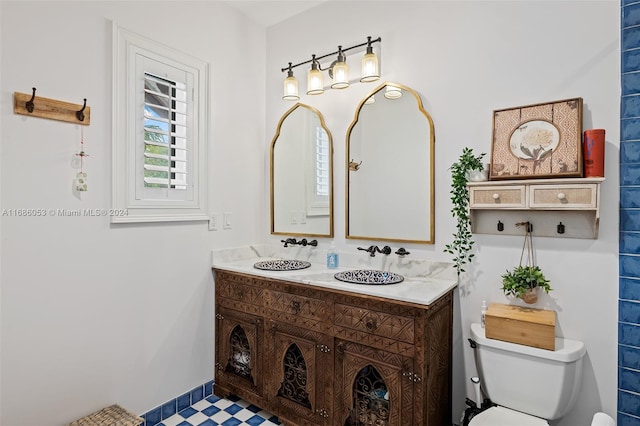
[(290, 87), (315, 85), (340, 72), (370, 70)]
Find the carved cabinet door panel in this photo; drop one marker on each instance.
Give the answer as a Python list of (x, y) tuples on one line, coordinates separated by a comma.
[(239, 354), (300, 365), (372, 386)]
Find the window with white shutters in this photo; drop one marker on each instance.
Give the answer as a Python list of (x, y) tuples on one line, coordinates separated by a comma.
[(165, 133), (159, 147)]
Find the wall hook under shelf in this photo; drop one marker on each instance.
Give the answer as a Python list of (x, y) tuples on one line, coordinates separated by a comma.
[(560, 228), (528, 224)]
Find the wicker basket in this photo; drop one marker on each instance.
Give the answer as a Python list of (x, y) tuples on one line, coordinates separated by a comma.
[(110, 416)]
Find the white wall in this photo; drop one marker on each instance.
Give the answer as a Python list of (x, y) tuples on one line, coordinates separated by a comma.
[(95, 314), (467, 59)]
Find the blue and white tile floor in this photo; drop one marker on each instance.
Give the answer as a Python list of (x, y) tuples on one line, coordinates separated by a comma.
[(212, 411)]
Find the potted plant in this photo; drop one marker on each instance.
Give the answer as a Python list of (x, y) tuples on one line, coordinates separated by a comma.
[(523, 281), (462, 243)]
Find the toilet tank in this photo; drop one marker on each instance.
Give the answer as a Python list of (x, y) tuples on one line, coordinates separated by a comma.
[(535, 381)]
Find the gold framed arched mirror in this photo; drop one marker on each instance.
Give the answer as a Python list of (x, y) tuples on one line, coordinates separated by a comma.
[(302, 174), (390, 168)]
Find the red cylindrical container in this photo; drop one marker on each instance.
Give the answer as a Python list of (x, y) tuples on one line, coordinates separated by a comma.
[(593, 146)]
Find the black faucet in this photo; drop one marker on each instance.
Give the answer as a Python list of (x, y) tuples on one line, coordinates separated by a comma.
[(385, 250), (303, 242), (289, 241), (402, 252), (372, 250)]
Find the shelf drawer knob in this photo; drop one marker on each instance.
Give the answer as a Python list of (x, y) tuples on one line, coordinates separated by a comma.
[(496, 196), (561, 196)]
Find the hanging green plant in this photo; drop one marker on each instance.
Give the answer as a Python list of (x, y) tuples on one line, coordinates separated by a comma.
[(524, 280), (462, 243)]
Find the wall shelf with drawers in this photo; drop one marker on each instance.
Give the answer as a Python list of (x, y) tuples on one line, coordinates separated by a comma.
[(564, 208)]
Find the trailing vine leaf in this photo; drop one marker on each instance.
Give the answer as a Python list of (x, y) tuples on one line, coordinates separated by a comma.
[(462, 243)]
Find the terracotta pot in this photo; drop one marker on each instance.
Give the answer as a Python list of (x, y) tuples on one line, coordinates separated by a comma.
[(530, 296)]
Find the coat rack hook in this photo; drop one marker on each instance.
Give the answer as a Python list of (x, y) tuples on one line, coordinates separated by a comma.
[(29, 104), (80, 114), (528, 224)]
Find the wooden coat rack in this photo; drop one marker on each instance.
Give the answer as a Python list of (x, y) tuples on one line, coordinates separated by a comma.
[(52, 109)]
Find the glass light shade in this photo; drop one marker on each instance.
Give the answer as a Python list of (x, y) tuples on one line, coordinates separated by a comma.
[(290, 88), (315, 85), (370, 70), (370, 100), (340, 75), (392, 92)]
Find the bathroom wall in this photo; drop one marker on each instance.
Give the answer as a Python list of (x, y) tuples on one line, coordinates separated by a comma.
[(629, 308), (467, 59), (95, 314)]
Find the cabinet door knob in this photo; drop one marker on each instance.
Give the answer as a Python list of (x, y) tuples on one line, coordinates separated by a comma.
[(561, 196), (413, 377), (371, 325), (322, 412), (323, 348), (496, 196)]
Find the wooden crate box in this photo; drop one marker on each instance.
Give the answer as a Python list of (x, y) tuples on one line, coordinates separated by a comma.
[(522, 325)]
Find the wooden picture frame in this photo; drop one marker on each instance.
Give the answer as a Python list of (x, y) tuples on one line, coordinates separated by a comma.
[(537, 141)]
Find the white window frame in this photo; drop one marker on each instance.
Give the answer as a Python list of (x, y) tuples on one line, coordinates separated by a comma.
[(130, 204)]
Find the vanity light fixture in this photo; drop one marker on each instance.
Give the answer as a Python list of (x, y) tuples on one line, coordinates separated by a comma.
[(290, 86), (338, 71)]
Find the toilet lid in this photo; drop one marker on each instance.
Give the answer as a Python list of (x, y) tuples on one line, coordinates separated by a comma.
[(500, 416)]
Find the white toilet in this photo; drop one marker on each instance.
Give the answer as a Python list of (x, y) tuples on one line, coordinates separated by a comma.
[(530, 385)]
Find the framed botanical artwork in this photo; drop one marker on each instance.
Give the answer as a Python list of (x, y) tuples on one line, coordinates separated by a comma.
[(537, 141)]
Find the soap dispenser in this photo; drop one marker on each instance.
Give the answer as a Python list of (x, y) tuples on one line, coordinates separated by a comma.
[(332, 256), (483, 313)]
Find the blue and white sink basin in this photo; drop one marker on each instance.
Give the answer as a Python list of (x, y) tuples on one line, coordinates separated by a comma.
[(369, 277), (281, 265)]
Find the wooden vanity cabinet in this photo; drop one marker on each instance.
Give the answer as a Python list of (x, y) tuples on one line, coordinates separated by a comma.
[(330, 357)]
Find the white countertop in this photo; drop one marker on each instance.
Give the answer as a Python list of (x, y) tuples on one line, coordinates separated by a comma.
[(425, 281)]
